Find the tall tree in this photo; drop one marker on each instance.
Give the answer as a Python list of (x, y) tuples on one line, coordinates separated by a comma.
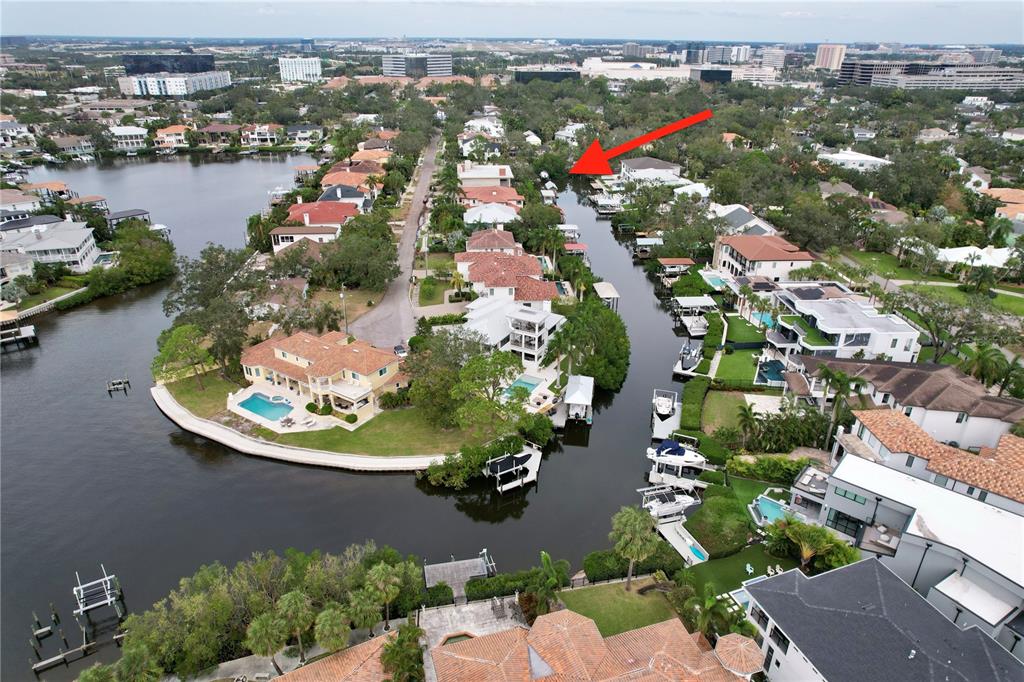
[(182, 347), (137, 665), (296, 612), (402, 656), (705, 612), (634, 537), (383, 580), (481, 391), (332, 629), (265, 636), (364, 609)]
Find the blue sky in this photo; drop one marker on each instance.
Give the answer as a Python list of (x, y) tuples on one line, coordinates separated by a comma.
[(867, 20)]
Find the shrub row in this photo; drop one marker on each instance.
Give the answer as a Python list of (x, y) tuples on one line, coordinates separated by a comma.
[(693, 402), (714, 336), (716, 477), (391, 400), (438, 595), (78, 299), (504, 584), (607, 565), (447, 318), (771, 468)]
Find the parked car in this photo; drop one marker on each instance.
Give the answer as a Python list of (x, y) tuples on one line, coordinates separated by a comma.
[(401, 351)]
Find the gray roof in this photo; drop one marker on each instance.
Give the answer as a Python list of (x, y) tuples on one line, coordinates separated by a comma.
[(647, 162), (928, 385), (129, 213), (861, 622), (756, 230), (738, 217), (302, 127), (31, 221), (338, 192)]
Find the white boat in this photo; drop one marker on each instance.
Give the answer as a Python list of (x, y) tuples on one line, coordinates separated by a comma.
[(132, 153), (690, 355), (675, 464), (664, 501), (665, 414), (664, 403)]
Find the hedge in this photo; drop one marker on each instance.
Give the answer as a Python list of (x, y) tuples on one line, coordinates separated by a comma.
[(715, 490), (716, 477), (504, 584), (76, 300), (449, 318), (438, 595), (714, 334), (708, 446), (693, 402), (607, 565), (771, 468), (721, 525)]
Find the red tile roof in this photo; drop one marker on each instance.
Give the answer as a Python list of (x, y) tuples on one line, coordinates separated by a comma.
[(323, 212), (346, 177), (337, 83), (574, 246), (765, 248), (172, 130), (359, 663), (493, 194), (220, 128), (531, 289), (491, 239), (305, 229), (427, 81), (676, 261), (328, 355), (494, 269)]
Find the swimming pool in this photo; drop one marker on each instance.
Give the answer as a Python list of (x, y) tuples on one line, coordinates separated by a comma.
[(701, 556), (770, 510), (263, 406), (524, 381), (716, 282), (770, 371), (562, 289), (764, 318)]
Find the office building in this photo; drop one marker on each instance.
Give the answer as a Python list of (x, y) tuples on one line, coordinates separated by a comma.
[(986, 55), (417, 65), (138, 64), (552, 73), (299, 69), (113, 72), (635, 50), (829, 57), (172, 84), (940, 76), (695, 53), (727, 54), (773, 57)]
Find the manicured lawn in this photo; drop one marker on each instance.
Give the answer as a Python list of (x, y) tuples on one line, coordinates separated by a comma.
[(728, 573), (43, 297), (721, 409), (614, 610), (881, 263), (928, 352), (741, 331), (738, 366), (393, 432), (431, 292), (203, 403), (1009, 304), (748, 489), (811, 335)]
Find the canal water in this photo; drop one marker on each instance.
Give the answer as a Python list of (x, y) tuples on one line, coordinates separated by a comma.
[(89, 479)]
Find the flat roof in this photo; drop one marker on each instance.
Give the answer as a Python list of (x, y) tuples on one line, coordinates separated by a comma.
[(605, 290), (993, 536), (975, 598), (845, 314)]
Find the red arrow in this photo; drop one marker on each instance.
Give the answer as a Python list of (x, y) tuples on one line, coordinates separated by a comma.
[(594, 161)]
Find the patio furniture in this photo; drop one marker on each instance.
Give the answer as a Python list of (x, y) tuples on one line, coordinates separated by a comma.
[(750, 569), (778, 568)]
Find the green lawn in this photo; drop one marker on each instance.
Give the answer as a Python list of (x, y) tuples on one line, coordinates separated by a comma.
[(811, 335), (741, 331), (747, 489), (928, 352), (881, 263), (614, 610), (432, 293), (729, 572), (393, 432), (721, 409), (738, 366), (1008, 304), (43, 297), (203, 403)]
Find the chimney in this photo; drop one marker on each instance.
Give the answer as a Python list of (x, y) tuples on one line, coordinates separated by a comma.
[(300, 200), (305, 218)]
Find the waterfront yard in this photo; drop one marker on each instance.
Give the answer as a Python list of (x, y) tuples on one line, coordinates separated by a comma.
[(205, 403), (1004, 302), (728, 573), (740, 365), (614, 610), (721, 409), (886, 263), (742, 331), (357, 301), (43, 296)]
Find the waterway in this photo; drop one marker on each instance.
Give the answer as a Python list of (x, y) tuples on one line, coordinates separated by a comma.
[(89, 479)]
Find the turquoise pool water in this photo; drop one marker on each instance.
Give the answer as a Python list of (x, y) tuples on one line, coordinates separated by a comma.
[(701, 556), (771, 510), (525, 381), (765, 319), (716, 282), (263, 406)]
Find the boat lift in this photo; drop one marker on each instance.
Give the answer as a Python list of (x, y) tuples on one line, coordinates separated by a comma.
[(105, 591), (118, 385)]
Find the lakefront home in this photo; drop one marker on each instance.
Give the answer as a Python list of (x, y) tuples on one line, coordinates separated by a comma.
[(326, 370), (767, 256)]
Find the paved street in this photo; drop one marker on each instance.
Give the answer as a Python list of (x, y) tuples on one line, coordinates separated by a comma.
[(391, 320)]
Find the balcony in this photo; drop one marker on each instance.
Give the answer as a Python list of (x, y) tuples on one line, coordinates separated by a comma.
[(879, 539), (526, 343), (527, 327), (809, 335)]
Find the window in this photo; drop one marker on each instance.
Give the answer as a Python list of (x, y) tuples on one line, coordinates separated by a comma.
[(961, 417), (283, 354), (355, 376), (780, 639), (760, 617), (910, 461), (970, 490), (983, 495), (768, 657), (941, 480), (893, 344), (844, 523), (908, 411), (382, 371), (885, 398), (860, 432), (843, 492)]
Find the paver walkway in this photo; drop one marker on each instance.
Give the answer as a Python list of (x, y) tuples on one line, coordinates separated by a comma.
[(391, 321)]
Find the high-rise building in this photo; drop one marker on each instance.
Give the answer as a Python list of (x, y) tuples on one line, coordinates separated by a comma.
[(299, 69), (138, 64), (636, 50), (727, 54), (829, 57), (986, 55), (307, 45), (417, 65), (773, 58), (172, 84), (930, 75), (695, 53)]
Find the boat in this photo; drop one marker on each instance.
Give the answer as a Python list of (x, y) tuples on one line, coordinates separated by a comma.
[(665, 501), (132, 153), (167, 152), (690, 355), (676, 464), (514, 470), (664, 402), (677, 454), (607, 204), (665, 415)]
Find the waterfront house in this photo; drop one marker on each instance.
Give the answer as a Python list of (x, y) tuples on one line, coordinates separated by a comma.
[(515, 277), (284, 236), (360, 197), (13, 200), (14, 134), (827, 319), (326, 370), (512, 326), (117, 217), (484, 175), (491, 194), (64, 242), (674, 267), (851, 160), (128, 138), (496, 215), (564, 645), (324, 213), (219, 133), (14, 264), (768, 256), (645, 170), (304, 133), (262, 134), (26, 223), (74, 144), (172, 136), (950, 406), (494, 241), (49, 191), (88, 201), (863, 622), (357, 663)]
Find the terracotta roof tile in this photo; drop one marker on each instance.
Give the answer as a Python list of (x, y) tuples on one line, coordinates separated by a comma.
[(491, 239), (305, 229), (492, 195), (359, 663), (327, 354), (765, 248), (323, 212), (676, 261)]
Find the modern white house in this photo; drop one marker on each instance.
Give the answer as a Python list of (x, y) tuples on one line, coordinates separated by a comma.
[(496, 215), (514, 327), (18, 202), (768, 256), (484, 175), (847, 158), (930, 135), (863, 134), (569, 131), (977, 178), (645, 170), (64, 242), (13, 134), (948, 405), (741, 220), (830, 320), (864, 622), (128, 138), (489, 125)]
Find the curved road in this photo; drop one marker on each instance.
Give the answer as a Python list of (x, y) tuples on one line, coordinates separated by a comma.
[(391, 321)]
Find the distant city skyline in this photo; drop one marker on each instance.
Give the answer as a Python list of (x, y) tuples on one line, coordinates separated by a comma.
[(846, 22)]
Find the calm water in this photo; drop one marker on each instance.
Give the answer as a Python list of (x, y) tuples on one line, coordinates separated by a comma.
[(89, 479)]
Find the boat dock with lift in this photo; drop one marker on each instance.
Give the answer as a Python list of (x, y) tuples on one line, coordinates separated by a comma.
[(576, 404), (690, 355), (515, 470)]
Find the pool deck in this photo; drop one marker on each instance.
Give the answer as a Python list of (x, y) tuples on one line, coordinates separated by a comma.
[(304, 421)]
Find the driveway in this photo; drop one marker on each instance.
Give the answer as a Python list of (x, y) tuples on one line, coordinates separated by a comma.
[(391, 321)]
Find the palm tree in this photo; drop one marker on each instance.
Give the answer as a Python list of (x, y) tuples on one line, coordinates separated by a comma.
[(363, 609), (265, 636), (844, 385), (745, 294), (634, 537), (832, 254), (383, 580), (332, 629), (296, 612), (548, 584), (97, 672), (1011, 373), (458, 281), (402, 657), (748, 422), (707, 610), (137, 665), (825, 373), (761, 306), (448, 183), (987, 364), (810, 541), (982, 278)]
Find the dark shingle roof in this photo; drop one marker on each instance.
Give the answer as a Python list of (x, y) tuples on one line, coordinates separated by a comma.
[(861, 622), (31, 221), (647, 162), (738, 217)]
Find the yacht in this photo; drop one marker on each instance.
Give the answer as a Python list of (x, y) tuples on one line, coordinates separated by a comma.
[(665, 501), (665, 417), (676, 464)]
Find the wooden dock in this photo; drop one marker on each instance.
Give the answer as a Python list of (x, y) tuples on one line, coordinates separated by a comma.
[(456, 573)]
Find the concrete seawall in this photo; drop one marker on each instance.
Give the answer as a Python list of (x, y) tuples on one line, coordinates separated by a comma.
[(286, 453)]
